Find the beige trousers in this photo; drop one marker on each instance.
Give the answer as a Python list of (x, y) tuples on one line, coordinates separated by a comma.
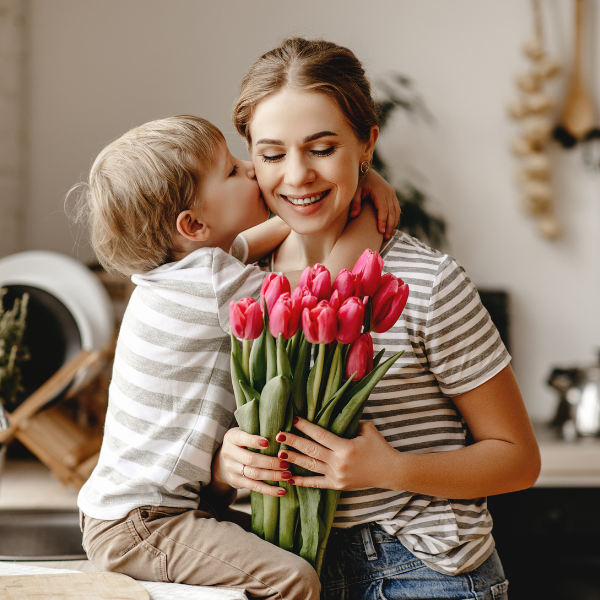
[(157, 543)]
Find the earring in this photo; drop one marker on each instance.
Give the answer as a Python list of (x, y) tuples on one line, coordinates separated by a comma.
[(364, 166)]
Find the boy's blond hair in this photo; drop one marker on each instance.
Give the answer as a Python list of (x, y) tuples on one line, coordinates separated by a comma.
[(139, 184)]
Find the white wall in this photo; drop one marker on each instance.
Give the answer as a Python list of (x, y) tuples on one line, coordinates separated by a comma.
[(98, 68), (12, 118)]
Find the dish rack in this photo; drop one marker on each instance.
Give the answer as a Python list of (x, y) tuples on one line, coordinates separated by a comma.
[(44, 428)]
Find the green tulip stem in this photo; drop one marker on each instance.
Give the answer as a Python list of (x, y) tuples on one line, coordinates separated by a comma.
[(246, 358), (317, 381), (334, 371)]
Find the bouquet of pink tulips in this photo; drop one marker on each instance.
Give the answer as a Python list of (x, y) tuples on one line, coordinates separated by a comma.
[(309, 353)]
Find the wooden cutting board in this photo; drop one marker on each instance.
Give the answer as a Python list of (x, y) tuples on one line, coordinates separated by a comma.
[(71, 586)]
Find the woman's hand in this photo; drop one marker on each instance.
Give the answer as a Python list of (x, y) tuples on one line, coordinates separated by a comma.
[(384, 198), (342, 464), (234, 455)]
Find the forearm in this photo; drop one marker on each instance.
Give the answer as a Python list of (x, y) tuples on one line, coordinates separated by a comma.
[(264, 238), (485, 468), (360, 233)]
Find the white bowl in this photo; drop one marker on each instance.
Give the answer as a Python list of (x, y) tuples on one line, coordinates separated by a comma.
[(72, 283)]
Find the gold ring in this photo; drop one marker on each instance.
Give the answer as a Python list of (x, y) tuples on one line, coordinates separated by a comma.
[(243, 467)]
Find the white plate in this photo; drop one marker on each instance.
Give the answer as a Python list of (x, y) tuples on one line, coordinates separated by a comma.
[(72, 283)]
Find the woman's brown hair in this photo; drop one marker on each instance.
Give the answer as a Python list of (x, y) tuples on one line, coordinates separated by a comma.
[(312, 65)]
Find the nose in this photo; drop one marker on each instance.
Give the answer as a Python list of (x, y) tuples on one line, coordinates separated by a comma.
[(297, 171)]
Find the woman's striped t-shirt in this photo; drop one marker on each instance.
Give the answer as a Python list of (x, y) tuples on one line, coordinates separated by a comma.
[(450, 347)]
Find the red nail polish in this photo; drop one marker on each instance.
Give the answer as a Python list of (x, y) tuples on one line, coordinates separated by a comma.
[(284, 464), (263, 443), (283, 455), (281, 492), (280, 437), (286, 475), (291, 481), (296, 419)]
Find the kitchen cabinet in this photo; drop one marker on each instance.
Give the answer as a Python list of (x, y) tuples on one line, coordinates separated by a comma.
[(548, 537)]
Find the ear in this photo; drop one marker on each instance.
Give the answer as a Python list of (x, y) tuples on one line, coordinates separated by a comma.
[(370, 145), (191, 228)]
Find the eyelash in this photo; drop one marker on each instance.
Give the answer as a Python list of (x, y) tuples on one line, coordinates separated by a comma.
[(233, 171), (328, 152)]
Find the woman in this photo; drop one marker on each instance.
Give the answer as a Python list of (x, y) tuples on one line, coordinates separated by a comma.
[(413, 521)]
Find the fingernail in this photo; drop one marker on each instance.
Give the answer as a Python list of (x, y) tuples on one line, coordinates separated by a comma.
[(296, 419), (280, 437), (284, 464), (281, 492), (283, 455), (291, 481), (263, 443), (286, 475)]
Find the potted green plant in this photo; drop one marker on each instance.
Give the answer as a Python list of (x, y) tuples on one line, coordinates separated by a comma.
[(12, 355), (397, 93)]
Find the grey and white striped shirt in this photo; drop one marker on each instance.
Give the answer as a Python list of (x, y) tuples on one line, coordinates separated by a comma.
[(450, 347), (170, 398)]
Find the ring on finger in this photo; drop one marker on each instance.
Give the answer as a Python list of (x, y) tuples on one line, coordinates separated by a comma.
[(243, 467)]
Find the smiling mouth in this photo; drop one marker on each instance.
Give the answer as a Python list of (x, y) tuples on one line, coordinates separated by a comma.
[(307, 200)]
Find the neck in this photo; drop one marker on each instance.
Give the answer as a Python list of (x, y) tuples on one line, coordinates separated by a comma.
[(299, 251)]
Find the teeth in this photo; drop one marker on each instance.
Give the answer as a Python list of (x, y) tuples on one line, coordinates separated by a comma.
[(305, 201)]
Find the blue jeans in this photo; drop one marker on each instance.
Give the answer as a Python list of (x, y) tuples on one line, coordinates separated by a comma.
[(365, 562)]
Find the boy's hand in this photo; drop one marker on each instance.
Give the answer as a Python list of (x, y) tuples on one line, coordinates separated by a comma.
[(384, 198)]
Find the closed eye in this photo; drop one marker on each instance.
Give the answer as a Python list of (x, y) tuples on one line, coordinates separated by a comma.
[(325, 152), (272, 157), (233, 171)]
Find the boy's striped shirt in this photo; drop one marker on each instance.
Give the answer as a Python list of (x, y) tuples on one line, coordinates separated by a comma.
[(170, 398)]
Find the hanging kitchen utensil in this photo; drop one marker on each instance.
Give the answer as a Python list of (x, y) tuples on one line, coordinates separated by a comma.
[(578, 116)]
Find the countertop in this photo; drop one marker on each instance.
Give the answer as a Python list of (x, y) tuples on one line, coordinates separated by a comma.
[(567, 464)]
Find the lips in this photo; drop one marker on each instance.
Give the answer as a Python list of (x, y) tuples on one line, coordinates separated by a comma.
[(306, 200)]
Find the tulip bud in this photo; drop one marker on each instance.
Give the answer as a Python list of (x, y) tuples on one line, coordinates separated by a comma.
[(317, 280), (388, 303), (304, 296), (336, 300), (368, 269), (284, 317), (360, 357), (346, 283), (320, 323), (272, 287), (350, 319), (246, 319)]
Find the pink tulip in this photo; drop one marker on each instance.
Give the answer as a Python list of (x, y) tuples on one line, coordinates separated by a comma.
[(284, 317), (346, 283), (272, 287), (368, 268), (317, 280), (360, 357), (320, 323), (246, 319), (305, 297), (388, 303), (336, 300), (350, 319)]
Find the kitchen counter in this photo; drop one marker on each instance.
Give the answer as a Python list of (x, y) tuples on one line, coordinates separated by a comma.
[(567, 464)]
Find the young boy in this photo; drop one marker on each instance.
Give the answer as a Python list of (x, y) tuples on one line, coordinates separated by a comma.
[(167, 203)]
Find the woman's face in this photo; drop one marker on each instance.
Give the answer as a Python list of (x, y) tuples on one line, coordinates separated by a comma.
[(306, 157)]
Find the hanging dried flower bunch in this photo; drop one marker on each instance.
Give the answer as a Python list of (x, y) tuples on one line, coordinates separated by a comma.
[(12, 351), (532, 109)]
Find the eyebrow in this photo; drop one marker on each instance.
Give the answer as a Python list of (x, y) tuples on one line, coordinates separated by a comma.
[(306, 140)]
